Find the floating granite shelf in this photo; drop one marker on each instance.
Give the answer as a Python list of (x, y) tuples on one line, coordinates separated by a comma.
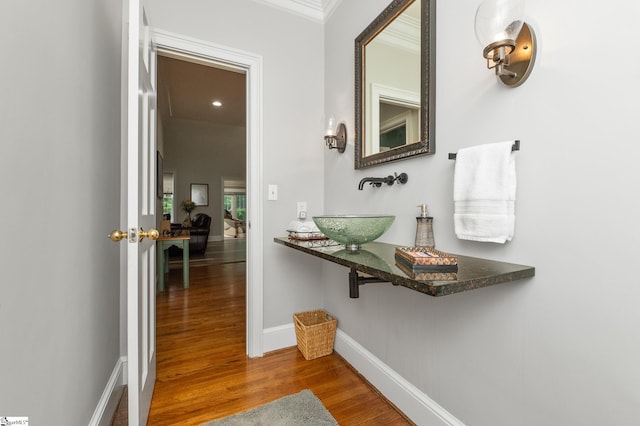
[(377, 260)]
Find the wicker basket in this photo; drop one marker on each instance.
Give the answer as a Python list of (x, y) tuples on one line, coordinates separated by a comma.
[(315, 333)]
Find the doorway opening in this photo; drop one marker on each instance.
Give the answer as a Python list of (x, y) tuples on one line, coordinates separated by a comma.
[(250, 66), (202, 112)]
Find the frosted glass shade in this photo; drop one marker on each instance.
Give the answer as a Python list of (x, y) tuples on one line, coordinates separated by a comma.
[(498, 20), (330, 127)]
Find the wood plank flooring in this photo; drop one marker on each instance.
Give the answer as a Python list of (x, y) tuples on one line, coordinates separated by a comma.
[(203, 372)]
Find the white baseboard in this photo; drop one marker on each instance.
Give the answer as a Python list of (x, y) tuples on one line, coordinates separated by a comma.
[(274, 338), (414, 403), (108, 402)]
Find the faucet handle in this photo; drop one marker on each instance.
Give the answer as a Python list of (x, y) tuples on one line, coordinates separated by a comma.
[(402, 178)]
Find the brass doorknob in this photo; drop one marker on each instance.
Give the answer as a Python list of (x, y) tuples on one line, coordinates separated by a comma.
[(152, 234), (117, 235)]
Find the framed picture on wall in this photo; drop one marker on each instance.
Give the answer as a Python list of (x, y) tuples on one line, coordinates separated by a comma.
[(200, 194)]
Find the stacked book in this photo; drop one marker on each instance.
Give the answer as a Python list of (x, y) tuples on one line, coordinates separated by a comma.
[(425, 263)]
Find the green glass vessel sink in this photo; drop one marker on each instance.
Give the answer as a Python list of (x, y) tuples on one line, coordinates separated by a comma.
[(353, 230)]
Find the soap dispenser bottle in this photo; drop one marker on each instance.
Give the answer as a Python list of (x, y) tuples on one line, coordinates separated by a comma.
[(424, 230)]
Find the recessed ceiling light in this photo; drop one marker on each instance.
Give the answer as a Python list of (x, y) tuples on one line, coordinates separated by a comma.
[(216, 103)]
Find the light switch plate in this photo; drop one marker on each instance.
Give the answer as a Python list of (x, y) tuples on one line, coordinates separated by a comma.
[(272, 193)]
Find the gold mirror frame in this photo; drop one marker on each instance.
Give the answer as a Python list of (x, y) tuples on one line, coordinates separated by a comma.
[(426, 145)]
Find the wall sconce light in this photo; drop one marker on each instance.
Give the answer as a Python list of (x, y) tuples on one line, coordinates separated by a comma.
[(509, 42), (336, 138)]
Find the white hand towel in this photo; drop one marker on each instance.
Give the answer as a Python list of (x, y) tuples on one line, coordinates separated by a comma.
[(484, 193)]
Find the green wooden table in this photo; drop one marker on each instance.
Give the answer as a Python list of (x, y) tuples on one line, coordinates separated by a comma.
[(164, 243)]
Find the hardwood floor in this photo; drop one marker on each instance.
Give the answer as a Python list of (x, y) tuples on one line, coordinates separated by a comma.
[(203, 372)]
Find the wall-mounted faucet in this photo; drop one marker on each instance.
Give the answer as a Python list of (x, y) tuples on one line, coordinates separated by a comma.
[(389, 180)]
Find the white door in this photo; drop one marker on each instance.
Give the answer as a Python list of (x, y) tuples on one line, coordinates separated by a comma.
[(141, 214)]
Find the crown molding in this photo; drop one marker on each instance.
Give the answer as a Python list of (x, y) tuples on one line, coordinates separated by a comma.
[(316, 10), (403, 33)]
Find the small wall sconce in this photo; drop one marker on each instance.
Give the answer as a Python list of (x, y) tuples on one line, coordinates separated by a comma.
[(509, 42), (336, 138)]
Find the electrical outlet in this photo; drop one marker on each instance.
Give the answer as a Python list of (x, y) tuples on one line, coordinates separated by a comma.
[(301, 209)]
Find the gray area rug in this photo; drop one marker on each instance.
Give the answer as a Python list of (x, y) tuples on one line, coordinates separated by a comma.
[(302, 408)]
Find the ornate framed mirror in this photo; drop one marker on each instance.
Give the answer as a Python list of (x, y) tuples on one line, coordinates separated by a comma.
[(395, 84)]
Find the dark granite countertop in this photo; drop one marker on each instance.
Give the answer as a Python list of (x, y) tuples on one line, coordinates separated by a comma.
[(378, 260)]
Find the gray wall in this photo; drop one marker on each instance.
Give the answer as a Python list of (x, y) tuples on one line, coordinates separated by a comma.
[(60, 164), (199, 152), (293, 145), (559, 349)]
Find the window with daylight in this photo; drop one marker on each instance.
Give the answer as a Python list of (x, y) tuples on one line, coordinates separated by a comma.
[(235, 199)]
